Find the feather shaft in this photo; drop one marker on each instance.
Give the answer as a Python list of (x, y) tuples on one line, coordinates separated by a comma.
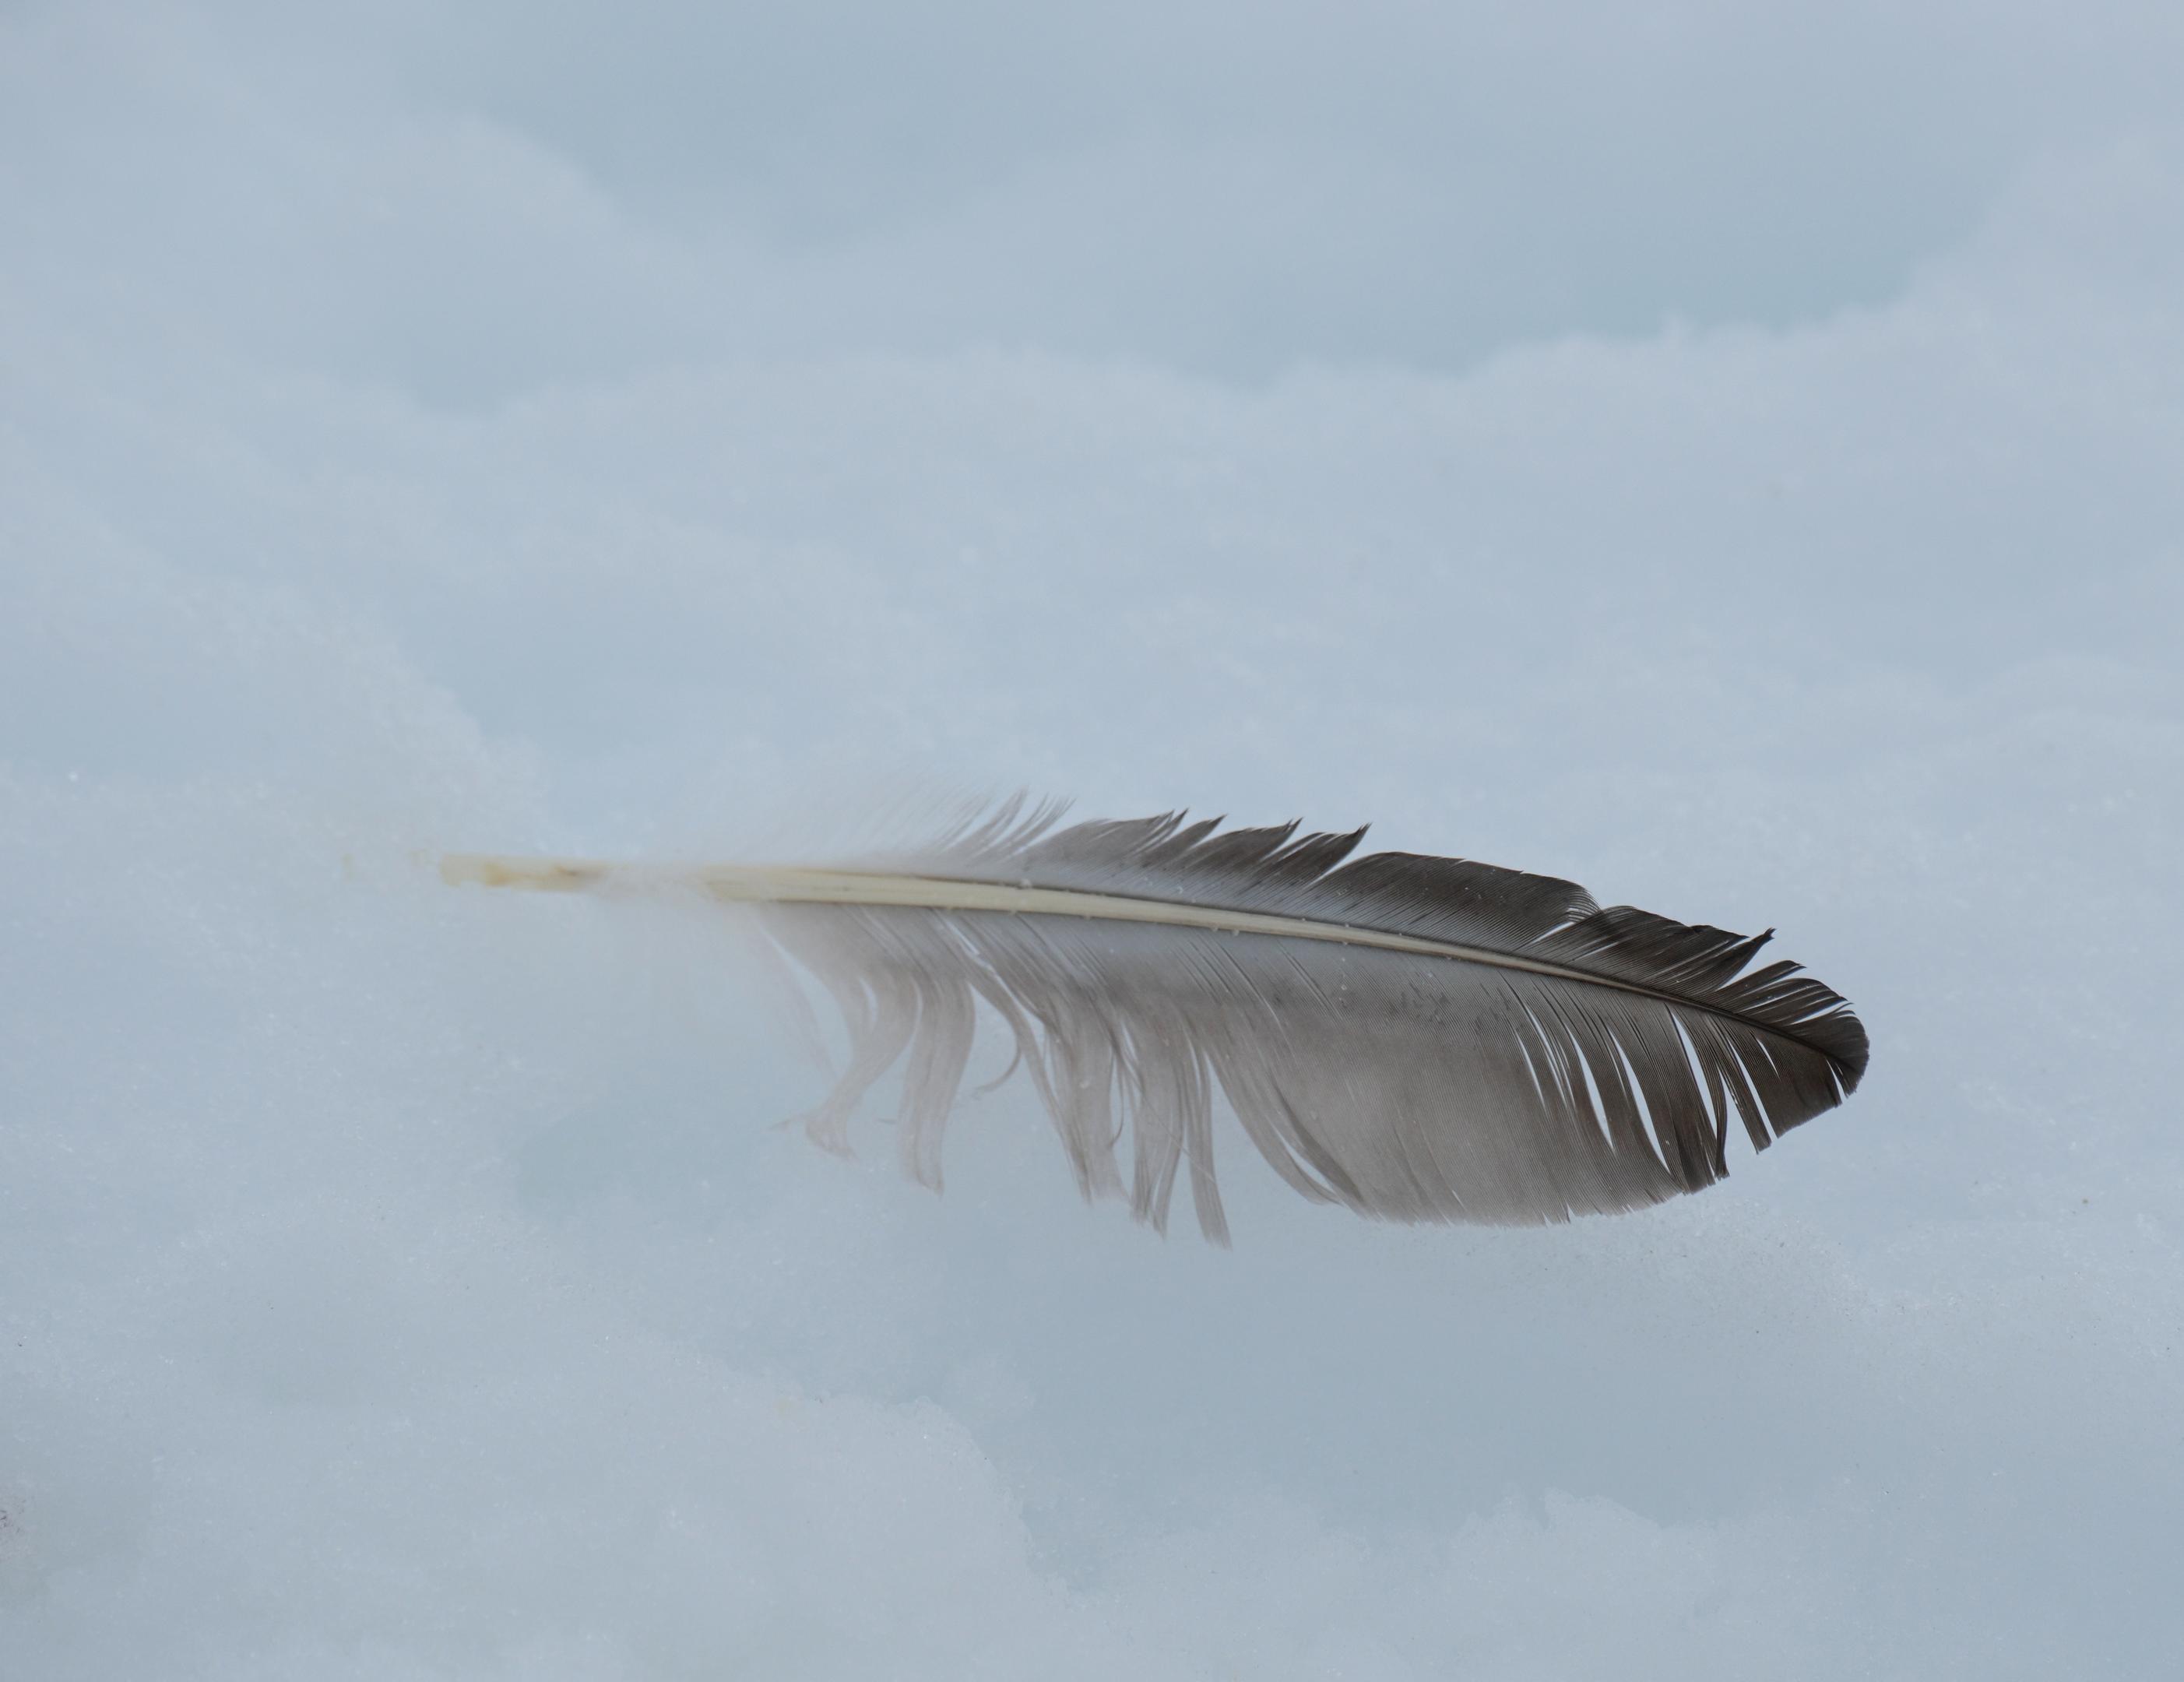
[(804, 884)]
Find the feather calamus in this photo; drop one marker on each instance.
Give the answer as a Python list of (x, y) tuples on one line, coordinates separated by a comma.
[(1415, 1038)]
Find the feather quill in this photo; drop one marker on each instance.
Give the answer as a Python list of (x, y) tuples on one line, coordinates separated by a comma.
[(1412, 1037)]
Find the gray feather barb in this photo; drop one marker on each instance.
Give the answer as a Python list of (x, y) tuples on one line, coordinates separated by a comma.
[(1414, 1038)]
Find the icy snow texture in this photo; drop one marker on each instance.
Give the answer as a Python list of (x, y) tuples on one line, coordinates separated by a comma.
[(1730, 456)]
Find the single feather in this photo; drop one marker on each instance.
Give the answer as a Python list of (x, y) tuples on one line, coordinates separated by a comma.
[(1415, 1038)]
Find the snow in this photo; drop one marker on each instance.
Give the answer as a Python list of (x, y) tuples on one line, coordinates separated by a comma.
[(1728, 460)]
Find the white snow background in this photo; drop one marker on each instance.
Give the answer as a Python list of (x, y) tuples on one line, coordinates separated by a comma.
[(1729, 455)]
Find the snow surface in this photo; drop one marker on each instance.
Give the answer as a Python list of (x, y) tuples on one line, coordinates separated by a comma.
[(1731, 456)]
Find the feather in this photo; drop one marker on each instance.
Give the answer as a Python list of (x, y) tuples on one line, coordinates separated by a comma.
[(1414, 1038)]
